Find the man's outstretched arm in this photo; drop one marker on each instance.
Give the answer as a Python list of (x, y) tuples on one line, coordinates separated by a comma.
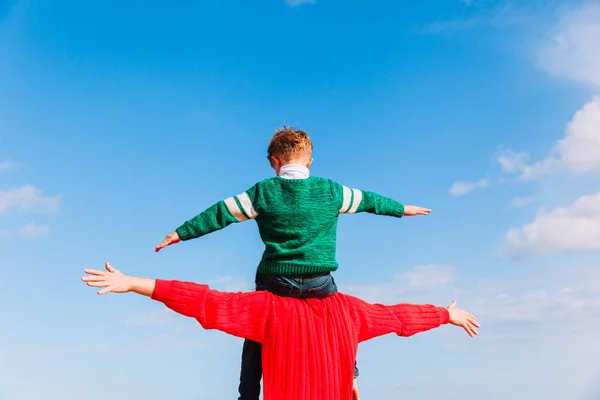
[(220, 215), (245, 315), (375, 320), (356, 201)]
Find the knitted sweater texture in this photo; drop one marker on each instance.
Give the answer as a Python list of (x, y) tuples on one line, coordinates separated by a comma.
[(296, 218), (309, 345)]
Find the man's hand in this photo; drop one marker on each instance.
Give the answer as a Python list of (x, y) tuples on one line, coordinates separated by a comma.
[(463, 319), (112, 280), (171, 238), (411, 211), (355, 395)]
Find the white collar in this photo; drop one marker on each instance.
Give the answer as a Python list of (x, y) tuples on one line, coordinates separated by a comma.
[(294, 171)]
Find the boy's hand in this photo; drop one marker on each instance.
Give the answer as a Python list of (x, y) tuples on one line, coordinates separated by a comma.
[(111, 280), (463, 319), (411, 211), (171, 238)]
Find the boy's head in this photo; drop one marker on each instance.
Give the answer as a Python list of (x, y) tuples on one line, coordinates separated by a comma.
[(289, 146)]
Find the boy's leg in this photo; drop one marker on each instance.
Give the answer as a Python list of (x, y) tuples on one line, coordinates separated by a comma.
[(250, 376), (251, 372)]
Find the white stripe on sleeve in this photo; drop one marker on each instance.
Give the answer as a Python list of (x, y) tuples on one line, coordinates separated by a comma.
[(234, 209), (247, 205), (346, 201), (356, 202)]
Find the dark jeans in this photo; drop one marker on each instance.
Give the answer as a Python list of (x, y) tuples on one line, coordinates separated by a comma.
[(315, 286)]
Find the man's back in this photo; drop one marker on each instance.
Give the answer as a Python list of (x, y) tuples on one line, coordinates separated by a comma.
[(309, 345)]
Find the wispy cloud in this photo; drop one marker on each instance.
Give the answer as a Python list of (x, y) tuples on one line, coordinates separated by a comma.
[(28, 231), (501, 16), (571, 48), (33, 230), (294, 3), (566, 229), (8, 166), (421, 278), (161, 316), (28, 199), (541, 300), (521, 202), (232, 284), (578, 152), (462, 188)]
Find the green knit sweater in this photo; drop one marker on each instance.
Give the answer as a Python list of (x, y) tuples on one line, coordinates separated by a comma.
[(296, 218)]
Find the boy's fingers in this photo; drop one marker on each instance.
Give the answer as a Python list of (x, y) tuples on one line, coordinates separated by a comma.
[(105, 290), (109, 267), (94, 272)]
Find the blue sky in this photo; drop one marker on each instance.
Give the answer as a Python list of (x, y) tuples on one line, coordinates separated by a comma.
[(120, 120)]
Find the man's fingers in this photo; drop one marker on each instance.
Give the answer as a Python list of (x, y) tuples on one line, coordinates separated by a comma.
[(472, 321), (453, 304), (466, 328), (98, 284), (471, 329), (93, 278)]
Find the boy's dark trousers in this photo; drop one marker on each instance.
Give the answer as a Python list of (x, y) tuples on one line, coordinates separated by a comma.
[(314, 286)]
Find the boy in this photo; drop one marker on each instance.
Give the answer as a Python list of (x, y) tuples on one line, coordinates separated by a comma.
[(299, 363), (297, 218)]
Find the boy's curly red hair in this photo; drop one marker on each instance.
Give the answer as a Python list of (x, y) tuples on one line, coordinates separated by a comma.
[(289, 143)]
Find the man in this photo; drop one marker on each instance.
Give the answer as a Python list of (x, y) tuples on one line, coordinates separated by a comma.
[(308, 345)]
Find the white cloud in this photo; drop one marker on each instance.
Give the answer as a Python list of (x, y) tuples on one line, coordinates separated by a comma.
[(232, 284), (161, 316), (27, 199), (295, 3), (8, 165), (521, 202), (511, 161), (577, 153), (29, 230), (566, 229), (429, 275), (419, 279), (33, 230), (462, 188), (572, 49), (542, 300)]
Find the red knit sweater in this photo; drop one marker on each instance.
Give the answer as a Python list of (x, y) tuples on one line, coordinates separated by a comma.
[(309, 346)]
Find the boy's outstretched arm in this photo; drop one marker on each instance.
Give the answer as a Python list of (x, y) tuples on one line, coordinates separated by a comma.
[(245, 315), (356, 201), (233, 209)]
